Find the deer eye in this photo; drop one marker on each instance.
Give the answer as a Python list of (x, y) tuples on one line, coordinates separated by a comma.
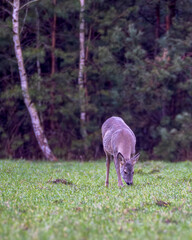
[(125, 172)]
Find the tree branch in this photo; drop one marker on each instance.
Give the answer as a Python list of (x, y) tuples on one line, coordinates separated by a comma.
[(6, 10), (24, 20), (27, 3), (10, 3)]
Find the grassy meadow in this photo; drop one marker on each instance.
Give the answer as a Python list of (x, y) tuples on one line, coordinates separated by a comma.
[(68, 200)]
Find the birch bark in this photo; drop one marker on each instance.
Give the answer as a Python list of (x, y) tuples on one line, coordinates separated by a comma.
[(82, 97), (42, 141)]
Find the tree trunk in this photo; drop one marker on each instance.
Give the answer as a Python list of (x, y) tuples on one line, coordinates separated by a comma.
[(85, 72), (42, 141), (157, 26), (171, 14), (172, 9), (38, 61), (53, 41), (81, 83)]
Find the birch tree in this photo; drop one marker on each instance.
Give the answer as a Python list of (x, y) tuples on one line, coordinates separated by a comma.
[(38, 130), (81, 83)]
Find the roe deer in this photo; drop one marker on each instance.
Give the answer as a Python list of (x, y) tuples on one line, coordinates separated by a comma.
[(119, 142)]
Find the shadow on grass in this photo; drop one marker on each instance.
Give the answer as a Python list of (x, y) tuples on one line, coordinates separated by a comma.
[(63, 181), (161, 203)]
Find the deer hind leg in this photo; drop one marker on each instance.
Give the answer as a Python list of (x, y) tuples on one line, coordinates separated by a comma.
[(107, 169)]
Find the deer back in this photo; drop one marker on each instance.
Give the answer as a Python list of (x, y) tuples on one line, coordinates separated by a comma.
[(118, 137)]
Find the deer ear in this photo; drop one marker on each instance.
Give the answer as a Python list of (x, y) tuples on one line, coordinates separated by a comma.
[(135, 158), (120, 158)]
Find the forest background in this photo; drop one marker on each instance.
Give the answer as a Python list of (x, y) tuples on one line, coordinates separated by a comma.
[(138, 65)]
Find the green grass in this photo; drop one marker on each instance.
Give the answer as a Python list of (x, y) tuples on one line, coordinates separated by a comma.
[(157, 206)]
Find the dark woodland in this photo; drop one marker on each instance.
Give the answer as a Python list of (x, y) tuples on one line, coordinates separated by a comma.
[(138, 65)]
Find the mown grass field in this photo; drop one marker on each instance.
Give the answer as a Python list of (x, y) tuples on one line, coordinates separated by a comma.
[(68, 200)]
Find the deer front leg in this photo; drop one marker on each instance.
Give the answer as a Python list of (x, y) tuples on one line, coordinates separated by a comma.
[(117, 167), (107, 170)]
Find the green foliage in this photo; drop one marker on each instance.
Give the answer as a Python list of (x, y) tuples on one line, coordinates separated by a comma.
[(176, 142), (41, 200)]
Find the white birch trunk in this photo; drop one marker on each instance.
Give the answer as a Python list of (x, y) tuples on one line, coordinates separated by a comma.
[(42, 141), (82, 99)]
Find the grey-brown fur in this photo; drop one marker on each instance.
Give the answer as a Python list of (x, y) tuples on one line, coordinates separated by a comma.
[(119, 142)]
